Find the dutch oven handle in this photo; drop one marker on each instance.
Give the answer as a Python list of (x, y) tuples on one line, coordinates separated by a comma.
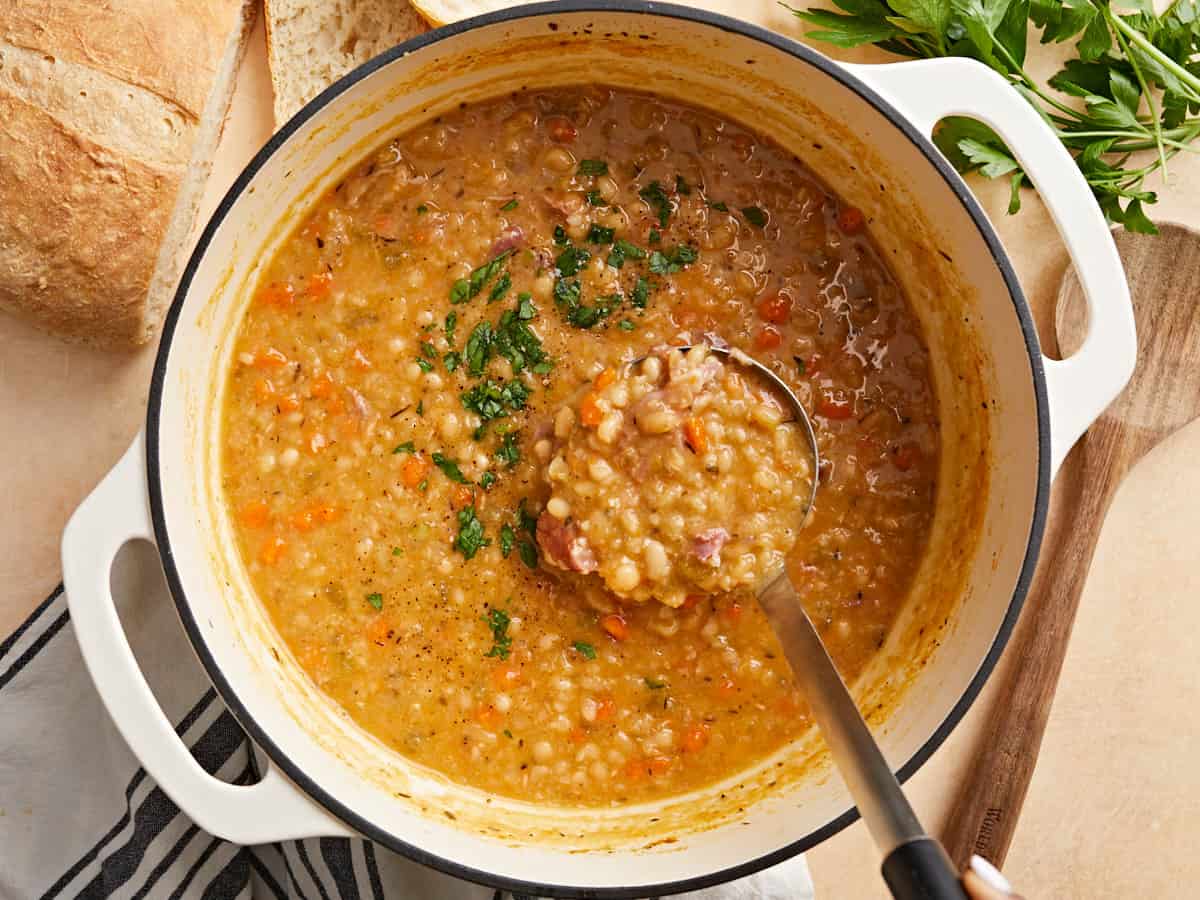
[(1080, 387), (115, 513)]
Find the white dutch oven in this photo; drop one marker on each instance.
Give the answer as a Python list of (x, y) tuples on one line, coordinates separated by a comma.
[(1008, 415)]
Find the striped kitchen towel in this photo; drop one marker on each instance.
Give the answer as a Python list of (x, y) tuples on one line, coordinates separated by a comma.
[(79, 817)]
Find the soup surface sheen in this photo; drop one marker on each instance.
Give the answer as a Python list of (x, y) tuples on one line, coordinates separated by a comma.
[(395, 382)]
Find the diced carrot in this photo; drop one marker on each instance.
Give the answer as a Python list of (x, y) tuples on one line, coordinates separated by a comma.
[(577, 736), (695, 435), (726, 686), (271, 550), (270, 358), (606, 709), (318, 286), (590, 413), (489, 717), (288, 403), (832, 408), (658, 765), (378, 628), (312, 516), (635, 770), (604, 379), (616, 626), (850, 220), (906, 457), (561, 130), (775, 308), (505, 676), (462, 496), (691, 601), (360, 359), (695, 738), (254, 514), (322, 386), (264, 390), (279, 294), (732, 613), (768, 338), (414, 471)]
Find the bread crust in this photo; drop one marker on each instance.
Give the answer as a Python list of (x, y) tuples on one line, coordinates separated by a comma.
[(169, 47), (80, 228), (87, 201)]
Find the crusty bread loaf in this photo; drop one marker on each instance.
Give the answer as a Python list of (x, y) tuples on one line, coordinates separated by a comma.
[(313, 43), (109, 116)]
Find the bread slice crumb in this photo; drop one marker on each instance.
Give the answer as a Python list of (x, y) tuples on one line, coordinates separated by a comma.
[(313, 43)]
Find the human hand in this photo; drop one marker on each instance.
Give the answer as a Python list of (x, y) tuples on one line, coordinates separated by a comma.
[(983, 881)]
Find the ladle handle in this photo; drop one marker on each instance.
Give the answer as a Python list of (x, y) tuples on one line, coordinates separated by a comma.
[(915, 866)]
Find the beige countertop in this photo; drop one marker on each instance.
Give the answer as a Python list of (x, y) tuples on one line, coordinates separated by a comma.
[(1114, 808)]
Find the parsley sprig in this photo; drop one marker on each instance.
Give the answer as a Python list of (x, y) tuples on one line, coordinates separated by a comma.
[(1134, 86)]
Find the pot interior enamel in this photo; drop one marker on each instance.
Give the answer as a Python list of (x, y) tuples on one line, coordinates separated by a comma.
[(986, 377)]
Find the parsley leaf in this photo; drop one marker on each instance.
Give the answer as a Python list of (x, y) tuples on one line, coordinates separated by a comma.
[(498, 621), (598, 234), (406, 447), (656, 198), (424, 365), (470, 538), (500, 288), (719, 206), (623, 250), (494, 398), (487, 480), (451, 325), (755, 216), (560, 235), (654, 684), (508, 452), (592, 167), (452, 360), (627, 325), (422, 209), (571, 260), (594, 198), (653, 237), (450, 468), (681, 186), (640, 292), (510, 205), (507, 537), (376, 600), (673, 260), (528, 553), (466, 288), (586, 650), (479, 348)]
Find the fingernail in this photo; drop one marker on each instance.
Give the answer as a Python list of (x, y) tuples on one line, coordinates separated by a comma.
[(990, 874)]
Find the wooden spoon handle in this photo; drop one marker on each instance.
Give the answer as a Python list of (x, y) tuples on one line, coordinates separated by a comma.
[(985, 813)]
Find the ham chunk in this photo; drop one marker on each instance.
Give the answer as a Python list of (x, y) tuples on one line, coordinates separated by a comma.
[(708, 543), (563, 545)]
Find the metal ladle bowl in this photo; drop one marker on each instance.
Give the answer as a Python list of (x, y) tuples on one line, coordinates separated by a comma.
[(914, 864)]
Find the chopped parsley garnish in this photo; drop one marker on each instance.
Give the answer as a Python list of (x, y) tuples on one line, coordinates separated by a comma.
[(525, 308), (653, 237), (406, 447), (515, 340), (498, 620), (581, 315), (656, 198), (673, 260), (719, 206), (525, 520), (654, 684), (508, 452), (427, 349), (594, 198), (421, 407), (623, 250), (526, 549), (422, 209), (451, 324), (507, 539), (500, 288), (560, 234), (495, 398), (640, 292), (479, 348), (487, 480), (566, 292), (450, 468), (423, 486), (593, 167), (755, 216), (452, 360), (681, 185), (376, 600), (528, 553), (586, 650), (571, 260), (800, 366), (397, 551), (470, 538), (507, 734), (466, 288), (598, 234), (510, 205), (627, 325), (424, 364)]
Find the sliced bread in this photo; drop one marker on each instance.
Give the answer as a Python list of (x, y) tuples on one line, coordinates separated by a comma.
[(111, 113), (313, 43)]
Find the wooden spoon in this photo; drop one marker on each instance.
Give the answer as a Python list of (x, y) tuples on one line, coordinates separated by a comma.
[(1163, 396)]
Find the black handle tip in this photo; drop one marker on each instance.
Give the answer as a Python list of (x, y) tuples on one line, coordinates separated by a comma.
[(921, 870)]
